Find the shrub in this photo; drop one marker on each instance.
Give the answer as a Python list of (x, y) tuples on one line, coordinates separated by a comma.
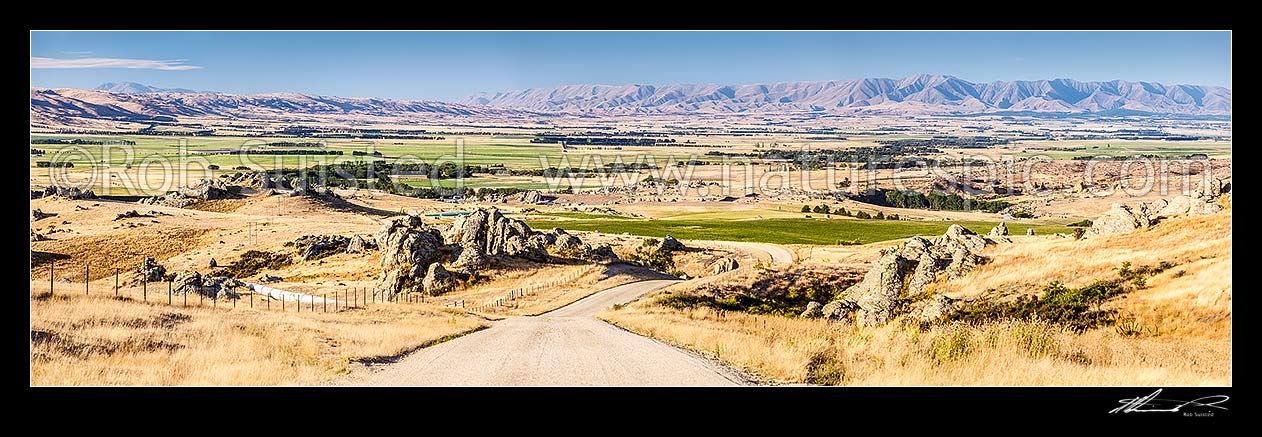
[(806, 208), (1080, 224), (825, 369), (862, 215), (1079, 233)]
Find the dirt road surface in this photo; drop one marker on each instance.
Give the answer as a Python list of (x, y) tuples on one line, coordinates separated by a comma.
[(565, 347)]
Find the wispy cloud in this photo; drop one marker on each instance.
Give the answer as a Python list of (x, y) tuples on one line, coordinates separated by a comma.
[(143, 64)]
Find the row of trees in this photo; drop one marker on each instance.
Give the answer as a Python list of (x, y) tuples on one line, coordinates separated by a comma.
[(935, 200), (824, 209)]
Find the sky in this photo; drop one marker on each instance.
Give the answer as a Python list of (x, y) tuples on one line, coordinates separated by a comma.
[(451, 65)]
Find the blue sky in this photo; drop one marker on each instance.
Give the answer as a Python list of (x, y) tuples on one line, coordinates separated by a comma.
[(451, 65)]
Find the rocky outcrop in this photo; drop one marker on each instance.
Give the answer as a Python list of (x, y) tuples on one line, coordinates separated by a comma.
[(813, 310), (313, 247), (532, 197), (933, 309), (37, 215), (437, 280), (213, 287), (407, 249), (151, 271), (1202, 200), (905, 271), (1117, 220), (669, 243), (69, 193), (130, 214), (266, 278), (361, 244), (35, 236), (1029, 231), (724, 265), (999, 230), (838, 310)]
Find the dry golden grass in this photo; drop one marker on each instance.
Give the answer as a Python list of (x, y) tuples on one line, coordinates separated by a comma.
[(792, 350), (1183, 315), (123, 250), (101, 340), (1191, 298)]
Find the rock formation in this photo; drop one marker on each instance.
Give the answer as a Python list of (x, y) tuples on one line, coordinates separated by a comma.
[(312, 247), (669, 243), (999, 230), (361, 244), (437, 280), (813, 309), (213, 287), (408, 247), (70, 193), (151, 271), (1202, 200), (37, 215), (905, 271), (724, 265)]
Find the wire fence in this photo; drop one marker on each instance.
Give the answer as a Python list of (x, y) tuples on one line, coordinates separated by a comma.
[(171, 293)]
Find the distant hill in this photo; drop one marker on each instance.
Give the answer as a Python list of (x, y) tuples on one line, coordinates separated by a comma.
[(68, 106), (921, 94), (138, 88)]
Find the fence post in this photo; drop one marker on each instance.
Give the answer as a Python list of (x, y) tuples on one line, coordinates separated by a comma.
[(144, 287), (168, 292), (325, 298), (116, 281), (354, 297), (185, 298), (282, 303), (51, 282), (251, 298), (299, 304), (86, 278)]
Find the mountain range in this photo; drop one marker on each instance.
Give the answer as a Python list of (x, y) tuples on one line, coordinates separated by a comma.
[(918, 94), (138, 88), (69, 106), (922, 94)]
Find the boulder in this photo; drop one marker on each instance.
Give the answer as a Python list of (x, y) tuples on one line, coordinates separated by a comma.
[(266, 278), (839, 309), (130, 214), (877, 295), (1118, 219), (724, 265), (70, 193), (213, 287), (1029, 231), (361, 244), (213, 263), (532, 197), (669, 243), (151, 271), (957, 236), (599, 253), (469, 258), (566, 242), (37, 215), (437, 280), (407, 250), (933, 309), (999, 230), (35, 236), (813, 310), (313, 247)]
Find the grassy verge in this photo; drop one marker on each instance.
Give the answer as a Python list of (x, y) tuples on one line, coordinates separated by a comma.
[(101, 340)]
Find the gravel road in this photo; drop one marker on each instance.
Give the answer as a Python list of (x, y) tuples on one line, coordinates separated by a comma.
[(565, 347)]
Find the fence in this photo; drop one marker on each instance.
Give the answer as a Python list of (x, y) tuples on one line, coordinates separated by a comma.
[(153, 292), (511, 297), (341, 300)]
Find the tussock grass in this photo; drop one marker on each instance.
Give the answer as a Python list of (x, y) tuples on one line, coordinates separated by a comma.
[(102, 340), (794, 350)]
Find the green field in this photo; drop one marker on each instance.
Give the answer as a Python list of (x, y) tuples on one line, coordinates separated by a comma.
[(785, 230), (1112, 148), (512, 152)]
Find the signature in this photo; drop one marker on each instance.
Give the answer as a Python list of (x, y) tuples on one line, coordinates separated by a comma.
[(1153, 404)]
